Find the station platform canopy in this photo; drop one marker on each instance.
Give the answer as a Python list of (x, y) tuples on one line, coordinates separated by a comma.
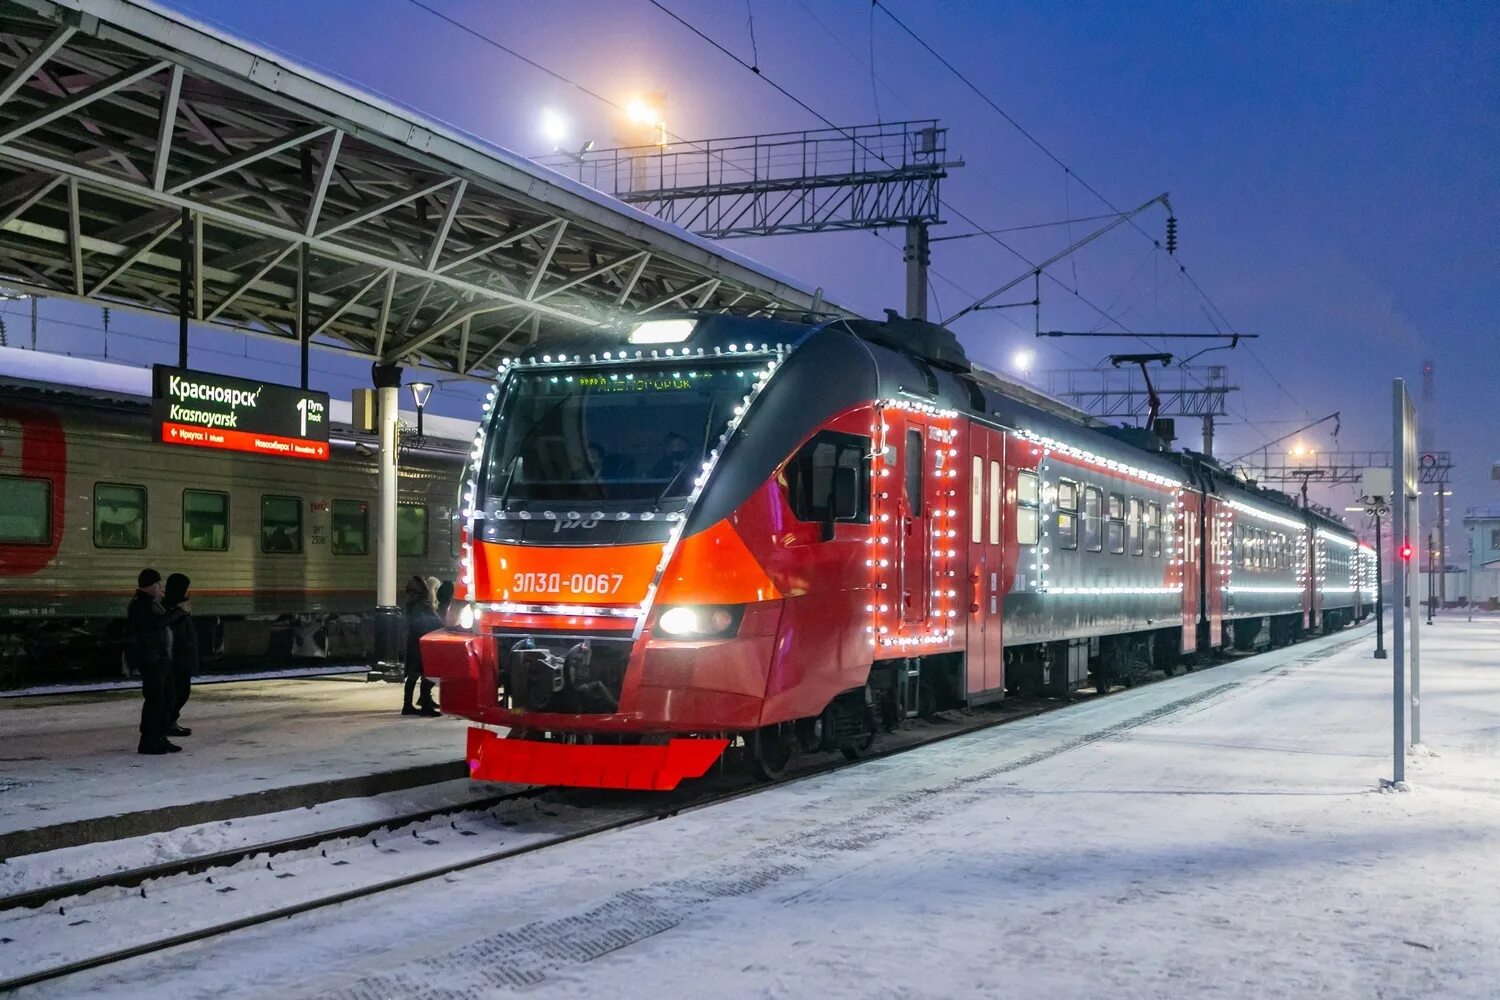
[(134, 139)]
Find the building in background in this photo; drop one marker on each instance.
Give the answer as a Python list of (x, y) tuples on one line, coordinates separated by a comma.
[(1482, 526)]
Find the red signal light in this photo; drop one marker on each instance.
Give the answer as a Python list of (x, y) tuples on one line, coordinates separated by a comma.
[(1405, 551)]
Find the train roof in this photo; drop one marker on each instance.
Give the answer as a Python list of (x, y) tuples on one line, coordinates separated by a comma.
[(91, 380)]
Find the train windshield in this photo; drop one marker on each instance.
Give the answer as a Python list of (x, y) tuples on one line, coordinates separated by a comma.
[(630, 436)]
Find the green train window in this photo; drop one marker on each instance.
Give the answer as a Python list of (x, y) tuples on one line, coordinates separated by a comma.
[(25, 510), (205, 521), (351, 528), (280, 524), (119, 516), (411, 530)]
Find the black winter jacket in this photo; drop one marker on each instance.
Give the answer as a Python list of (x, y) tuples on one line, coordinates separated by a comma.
[(420, 619), (150, 633)]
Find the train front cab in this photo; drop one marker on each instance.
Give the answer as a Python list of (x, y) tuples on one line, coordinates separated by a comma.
[(623, 643)]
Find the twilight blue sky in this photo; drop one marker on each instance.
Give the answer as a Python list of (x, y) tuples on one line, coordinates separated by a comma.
[(1333, 167)]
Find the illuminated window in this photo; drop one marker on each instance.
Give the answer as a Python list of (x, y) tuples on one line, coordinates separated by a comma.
[(1067, 514), (281, 524), (411, 530), (811, 476), (25, 511), (351, 528), (1115, 529), (1093, 519), (1137, 526), (1028, 495), (119, 516), (915, 464), (976, 501), (997, 490), (1153, 530), (205, 521)]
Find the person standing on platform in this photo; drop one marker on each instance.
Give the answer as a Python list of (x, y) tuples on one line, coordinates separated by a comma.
[(184, 649), (150, 653), (444, 599), (421, 618)]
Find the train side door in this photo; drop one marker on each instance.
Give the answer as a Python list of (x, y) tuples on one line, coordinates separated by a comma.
[(981, 593), (916, 518)]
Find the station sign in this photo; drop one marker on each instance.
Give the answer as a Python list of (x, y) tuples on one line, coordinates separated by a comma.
[(204, 410)]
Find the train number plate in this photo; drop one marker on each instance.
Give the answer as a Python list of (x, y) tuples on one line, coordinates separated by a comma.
[(567, 584)]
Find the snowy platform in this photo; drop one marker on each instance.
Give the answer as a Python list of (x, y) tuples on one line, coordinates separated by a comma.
[(69, 773), (1216, 835)]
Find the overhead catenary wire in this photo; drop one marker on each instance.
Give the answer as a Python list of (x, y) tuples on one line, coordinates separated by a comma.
[(846, 132), (1070, 172)]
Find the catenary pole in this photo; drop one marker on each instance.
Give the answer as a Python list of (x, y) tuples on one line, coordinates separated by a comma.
[(1399, 567), (1379, 591)]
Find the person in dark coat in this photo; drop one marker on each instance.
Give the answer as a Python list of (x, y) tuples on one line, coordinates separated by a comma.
[(444, 599), (184, 648), (150, 654), (421, 618)]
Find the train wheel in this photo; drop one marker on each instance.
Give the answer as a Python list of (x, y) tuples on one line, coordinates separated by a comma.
[(770, 751), (855, 722)]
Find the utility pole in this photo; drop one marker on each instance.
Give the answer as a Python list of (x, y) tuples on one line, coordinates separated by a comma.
[(1442, 541), (1431, 583), (33, 322), (1208, 435), (918, 254), (1378, 509)]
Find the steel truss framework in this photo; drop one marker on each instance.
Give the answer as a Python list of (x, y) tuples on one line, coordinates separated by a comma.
[(1192, 391), (861, 177), (1333, 468), (131, 138)]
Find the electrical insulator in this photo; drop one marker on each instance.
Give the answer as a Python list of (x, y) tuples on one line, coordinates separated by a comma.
[(1171, 234)]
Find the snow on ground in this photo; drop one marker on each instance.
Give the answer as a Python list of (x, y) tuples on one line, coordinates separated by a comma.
[(1217, 835), (73, 757), (71, 864)]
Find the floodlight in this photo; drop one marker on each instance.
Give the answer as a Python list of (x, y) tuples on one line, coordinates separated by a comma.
[(662, 331)]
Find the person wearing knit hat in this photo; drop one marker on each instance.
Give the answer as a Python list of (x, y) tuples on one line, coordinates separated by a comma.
[(150, 654)]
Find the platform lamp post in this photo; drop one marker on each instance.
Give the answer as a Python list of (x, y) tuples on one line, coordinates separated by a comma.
[(420, 393), (1376, 486)]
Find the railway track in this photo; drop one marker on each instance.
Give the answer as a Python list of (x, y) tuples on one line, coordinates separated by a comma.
[(556, 817)]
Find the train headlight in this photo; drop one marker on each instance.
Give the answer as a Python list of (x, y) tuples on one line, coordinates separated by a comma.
[(462, 616), (699, 622)]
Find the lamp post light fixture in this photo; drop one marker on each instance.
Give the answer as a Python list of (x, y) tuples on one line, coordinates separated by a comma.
[(420, 393)]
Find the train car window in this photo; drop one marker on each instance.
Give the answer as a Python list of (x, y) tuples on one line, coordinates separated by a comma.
[(1067, 514), (976, 501), (25, 510), (915, 461), (119, 516), (280, 524), (1153, 530), (205, 521), (1136, 526), (411, 530), (1028, 495), (351, 528), (997, 489), (1115, 529), (1093, 519), (810, 478)]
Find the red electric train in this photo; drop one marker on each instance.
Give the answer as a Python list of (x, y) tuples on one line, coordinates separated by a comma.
[(789, 533)]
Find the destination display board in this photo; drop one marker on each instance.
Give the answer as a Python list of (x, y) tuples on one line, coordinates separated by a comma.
[(204, 410)]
